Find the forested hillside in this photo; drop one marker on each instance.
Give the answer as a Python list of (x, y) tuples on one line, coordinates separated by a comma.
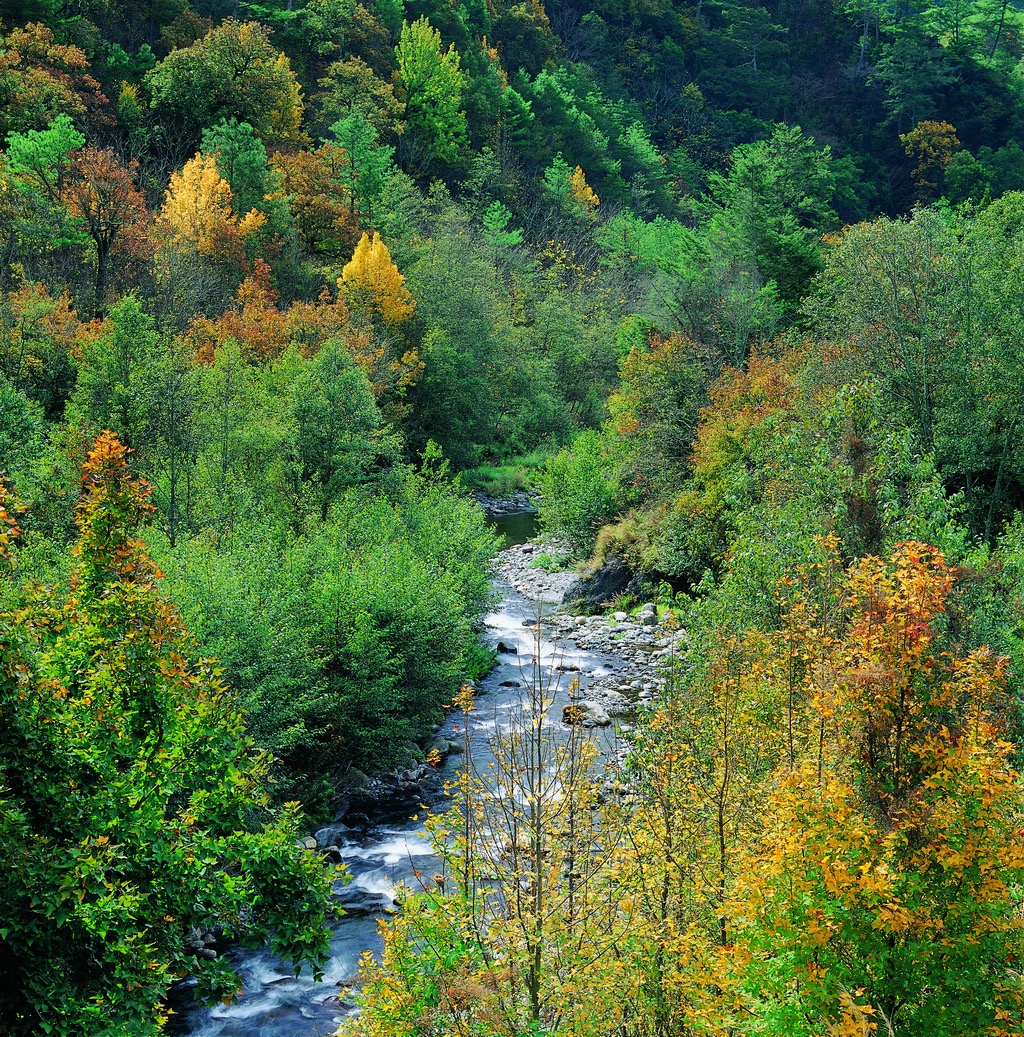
[(739, 287)]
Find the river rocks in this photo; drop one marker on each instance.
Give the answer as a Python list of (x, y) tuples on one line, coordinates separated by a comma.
[(332, 854), (615, 704), (516, 565), (519, 503), (438, 747), (641, 648), (355, 779), (331, 835), (394, 797)]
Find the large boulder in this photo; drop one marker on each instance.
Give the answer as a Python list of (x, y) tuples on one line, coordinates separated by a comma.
[(586, 713), (593, 593)]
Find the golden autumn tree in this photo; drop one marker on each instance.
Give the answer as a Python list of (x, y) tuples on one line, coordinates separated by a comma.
[(375, 291), (883, 895), (374, 285), (704, 757), (585, 196), (931, 145)]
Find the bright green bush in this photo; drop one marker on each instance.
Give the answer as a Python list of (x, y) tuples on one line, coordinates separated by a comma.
[(343, 642), (132, 803), (579, 491)]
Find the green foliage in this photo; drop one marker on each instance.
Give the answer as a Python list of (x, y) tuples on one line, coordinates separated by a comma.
[(343, 642), (430, 85), (553, 561), (770, 211), (242, 162), (369, 163), (335, 421), (22, 432), (42, 156), (233, 71)]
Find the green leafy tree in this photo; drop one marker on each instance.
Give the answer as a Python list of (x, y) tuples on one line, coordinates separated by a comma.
[(234, 70), (501, 240), (430, 84), (335, 418), (242, 162), (369, 165), (38, 170), (769, 211), (579, 490), (131, 803)]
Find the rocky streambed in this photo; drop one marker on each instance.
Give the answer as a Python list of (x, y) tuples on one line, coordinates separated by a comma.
[(640, 642)]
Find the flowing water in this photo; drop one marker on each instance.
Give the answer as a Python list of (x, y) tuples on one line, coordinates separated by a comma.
[(273, 1002)]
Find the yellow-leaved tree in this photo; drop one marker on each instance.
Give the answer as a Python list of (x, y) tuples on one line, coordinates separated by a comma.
[(197, 214), (373, 284), (883, 894), (582, 192)]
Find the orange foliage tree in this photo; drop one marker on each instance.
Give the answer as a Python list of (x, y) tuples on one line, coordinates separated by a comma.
[(41, 79), (254, 322), (829, 839), (38, 344), (884, 894), (320, 205), (263, 331)]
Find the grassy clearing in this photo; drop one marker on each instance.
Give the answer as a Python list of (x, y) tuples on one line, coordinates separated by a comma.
[(509, 477)]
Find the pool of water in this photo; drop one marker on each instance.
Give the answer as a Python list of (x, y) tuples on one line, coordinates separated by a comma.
[(517, 528)]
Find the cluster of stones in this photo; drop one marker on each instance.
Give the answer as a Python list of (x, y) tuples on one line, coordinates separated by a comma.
[(645, 646), (202, 944), (518, 503)]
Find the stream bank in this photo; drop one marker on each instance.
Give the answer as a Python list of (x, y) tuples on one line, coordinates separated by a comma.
[(613, 659)]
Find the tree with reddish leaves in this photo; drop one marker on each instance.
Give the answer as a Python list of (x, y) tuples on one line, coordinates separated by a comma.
[(103, 194)]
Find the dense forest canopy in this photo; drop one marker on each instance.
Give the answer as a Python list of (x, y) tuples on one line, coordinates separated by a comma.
[(738, 286)]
